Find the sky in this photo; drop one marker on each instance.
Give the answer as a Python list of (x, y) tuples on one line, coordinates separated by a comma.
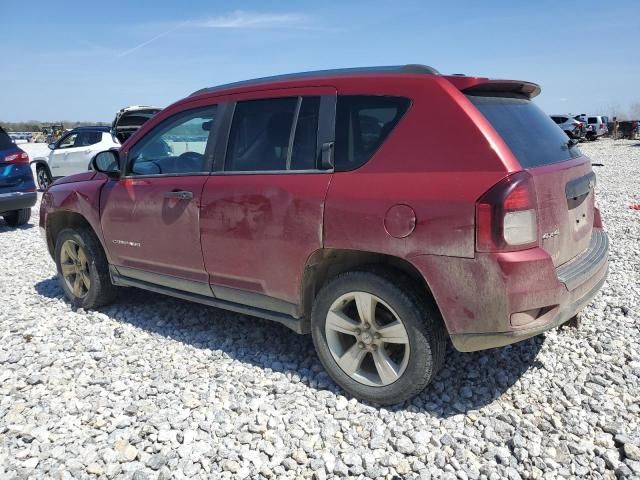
[(79, 60)]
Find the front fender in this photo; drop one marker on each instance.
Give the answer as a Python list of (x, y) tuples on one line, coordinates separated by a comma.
[(66, 200)]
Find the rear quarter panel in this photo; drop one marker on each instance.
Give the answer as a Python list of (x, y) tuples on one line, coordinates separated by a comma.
[(438, 160)]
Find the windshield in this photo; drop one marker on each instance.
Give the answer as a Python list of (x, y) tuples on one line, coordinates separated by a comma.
[(531, 135)]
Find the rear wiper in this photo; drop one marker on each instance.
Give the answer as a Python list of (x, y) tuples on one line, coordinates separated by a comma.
[(572, 142)]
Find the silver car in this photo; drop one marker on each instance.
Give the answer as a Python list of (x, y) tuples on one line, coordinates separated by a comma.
[(596, 125)]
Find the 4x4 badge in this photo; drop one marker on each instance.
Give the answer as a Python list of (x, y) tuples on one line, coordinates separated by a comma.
[(549, 235)]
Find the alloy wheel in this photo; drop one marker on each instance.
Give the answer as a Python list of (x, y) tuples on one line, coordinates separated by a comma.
[(75, 268), (43, 178), (367, 339)]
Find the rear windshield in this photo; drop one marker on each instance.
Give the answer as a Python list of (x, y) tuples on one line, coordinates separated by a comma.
[(531, 135), (5, 140)]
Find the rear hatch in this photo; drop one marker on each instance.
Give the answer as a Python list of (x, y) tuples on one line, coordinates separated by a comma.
[(12, 175), (563, 179), (130, 119)]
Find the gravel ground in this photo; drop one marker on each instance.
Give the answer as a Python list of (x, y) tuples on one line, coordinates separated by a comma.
[(153, 387)]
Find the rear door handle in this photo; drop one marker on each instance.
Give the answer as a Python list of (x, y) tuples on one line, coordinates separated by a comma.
[(179, 194)]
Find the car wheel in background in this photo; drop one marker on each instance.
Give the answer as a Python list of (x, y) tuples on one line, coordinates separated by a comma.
[(43, 178), (83, 270), (377, 337), (17, 217)]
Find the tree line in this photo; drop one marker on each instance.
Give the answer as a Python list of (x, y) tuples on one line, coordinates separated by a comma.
[(36, 125)]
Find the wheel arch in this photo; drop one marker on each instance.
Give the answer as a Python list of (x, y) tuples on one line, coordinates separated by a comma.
[(42, 163), (58, 221), (325, 264)]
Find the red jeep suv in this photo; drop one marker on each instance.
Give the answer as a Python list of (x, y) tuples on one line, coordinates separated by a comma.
[(383, 210)]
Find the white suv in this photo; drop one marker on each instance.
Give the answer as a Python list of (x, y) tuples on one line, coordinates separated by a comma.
[(72, 153), (572, 127), (75, 149), (596, 125)]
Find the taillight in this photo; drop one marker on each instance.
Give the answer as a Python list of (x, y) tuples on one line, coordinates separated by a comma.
[(506, 215), (20, 157)]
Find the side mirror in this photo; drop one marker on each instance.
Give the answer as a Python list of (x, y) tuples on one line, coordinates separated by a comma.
[(52, 146), (106, 162)]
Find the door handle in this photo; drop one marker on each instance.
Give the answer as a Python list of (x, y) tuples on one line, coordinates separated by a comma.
[(179, 194)]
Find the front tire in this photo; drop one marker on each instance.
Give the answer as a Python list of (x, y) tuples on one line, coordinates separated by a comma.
[(377, 337), (83, 270), (18, 217)]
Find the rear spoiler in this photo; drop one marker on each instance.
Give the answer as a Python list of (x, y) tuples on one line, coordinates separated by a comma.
[(527, 89), (487, 86)]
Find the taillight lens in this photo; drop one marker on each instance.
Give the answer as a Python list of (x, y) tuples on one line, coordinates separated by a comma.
[(20, 157), (506, 217)]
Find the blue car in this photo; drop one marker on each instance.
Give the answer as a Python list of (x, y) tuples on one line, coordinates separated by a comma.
[(17, 188)]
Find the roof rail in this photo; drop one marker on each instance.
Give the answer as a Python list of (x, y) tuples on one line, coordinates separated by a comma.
[(409, 68), (102, 128)]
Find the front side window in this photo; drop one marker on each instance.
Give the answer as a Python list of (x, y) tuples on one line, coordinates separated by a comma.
[(176, 146), (68, 141), (362, 125), (274, 135)]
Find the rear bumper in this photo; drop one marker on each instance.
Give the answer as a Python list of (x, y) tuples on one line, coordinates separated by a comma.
[(17, 200), (471, 342), (496, 300)]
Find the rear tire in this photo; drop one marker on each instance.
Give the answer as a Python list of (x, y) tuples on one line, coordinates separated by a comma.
[(43, 178), (17, 217), (83, 270), (359, 362)]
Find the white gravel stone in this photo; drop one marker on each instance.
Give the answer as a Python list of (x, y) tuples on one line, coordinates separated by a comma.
[(153, 387)]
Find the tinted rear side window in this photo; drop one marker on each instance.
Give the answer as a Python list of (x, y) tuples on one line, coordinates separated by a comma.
[(304, 153), (274, 135), (5, 140), (88, 138), (259, 137), (531, 135), (362, 125)]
